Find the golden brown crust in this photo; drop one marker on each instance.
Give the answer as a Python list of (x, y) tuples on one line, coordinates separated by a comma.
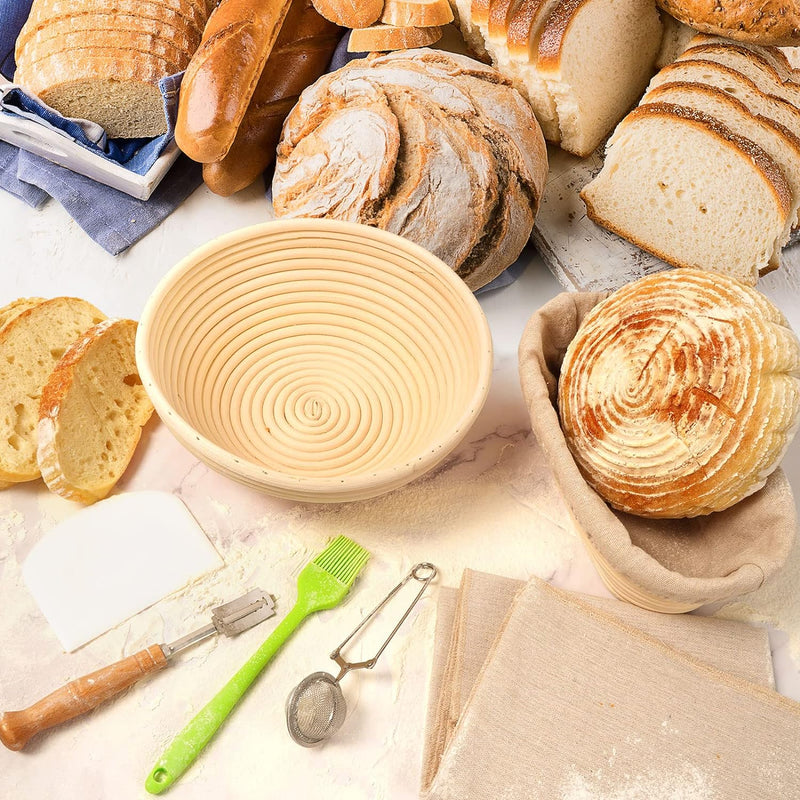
[(771, 22), (554, 33), (301, 54), (408, 13), (385, 38), (350, 13), (222, 75)]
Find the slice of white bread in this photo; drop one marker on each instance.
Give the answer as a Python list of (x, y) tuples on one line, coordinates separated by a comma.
[(751, 65), (91, 413), (597, 57), (16, 307), (385, 38), (778, 142), (773, 55), (674, 41), (416, 13), (31, 344), (727, 216), (733, 83)]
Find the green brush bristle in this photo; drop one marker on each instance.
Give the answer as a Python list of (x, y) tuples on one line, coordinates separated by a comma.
[(343, 559)]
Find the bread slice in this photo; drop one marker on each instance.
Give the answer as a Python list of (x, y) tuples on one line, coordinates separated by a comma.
[(383, 38), (349, 13), (777, 141), (524, 26), (118, 89), (597, 57), (416, 13), (86, 43), (470, 32), (92, 412), (772, 55), (733, 83), (43, 11), (687, 189), (674, 41), (179, 35), (31, 345), (751, 65), (16, 307)]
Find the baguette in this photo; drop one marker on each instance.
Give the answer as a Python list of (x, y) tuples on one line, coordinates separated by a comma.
[(350, 13), (223, 73), (301, 54), (382, 38)]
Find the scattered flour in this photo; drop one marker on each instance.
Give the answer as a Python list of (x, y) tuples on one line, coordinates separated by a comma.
[(776, 603), (688, 784)]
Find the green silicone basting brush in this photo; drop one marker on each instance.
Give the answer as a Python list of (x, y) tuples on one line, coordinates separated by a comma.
[(322, 584)]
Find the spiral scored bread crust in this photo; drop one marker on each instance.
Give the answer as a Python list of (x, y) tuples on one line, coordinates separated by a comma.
[(680, 393)]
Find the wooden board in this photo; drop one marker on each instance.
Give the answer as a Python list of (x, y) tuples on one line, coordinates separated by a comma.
[(582, 255)]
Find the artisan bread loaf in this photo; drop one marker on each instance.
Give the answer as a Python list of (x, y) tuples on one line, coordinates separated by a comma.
[(673, 182), (680, 393), (770, 22), (91, 414), (350, 13), (430, 145), (597, 57), (31, 344)]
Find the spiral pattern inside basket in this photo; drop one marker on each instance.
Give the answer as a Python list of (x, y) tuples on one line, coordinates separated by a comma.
[(679, 394), (317, 357)]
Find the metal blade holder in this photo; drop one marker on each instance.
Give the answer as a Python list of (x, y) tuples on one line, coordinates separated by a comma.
[(316, 708)]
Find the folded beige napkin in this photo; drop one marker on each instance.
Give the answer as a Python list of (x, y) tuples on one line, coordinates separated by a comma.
[(581, 698), (665, 565)]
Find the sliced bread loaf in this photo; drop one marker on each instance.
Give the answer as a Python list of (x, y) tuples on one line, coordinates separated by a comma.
[(597, 57), (118, 89), (178, 34), (91, 413), (778, 142), (733, 83), (728, 216), (31, 344), (749, 64)]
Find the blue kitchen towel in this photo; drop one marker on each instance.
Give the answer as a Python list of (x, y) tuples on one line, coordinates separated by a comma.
[(13, 14)]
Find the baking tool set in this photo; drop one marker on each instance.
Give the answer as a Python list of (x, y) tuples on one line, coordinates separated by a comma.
[(322, 584), (316, 708), (83, 694)]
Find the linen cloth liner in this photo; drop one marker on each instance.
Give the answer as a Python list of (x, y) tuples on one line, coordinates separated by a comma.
[(693, 561), (575, 702)]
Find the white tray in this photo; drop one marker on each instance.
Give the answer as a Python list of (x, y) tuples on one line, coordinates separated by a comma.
[(43, 141)]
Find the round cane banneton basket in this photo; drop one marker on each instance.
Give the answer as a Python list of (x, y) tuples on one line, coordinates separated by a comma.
[(665, 565), (315, 360)]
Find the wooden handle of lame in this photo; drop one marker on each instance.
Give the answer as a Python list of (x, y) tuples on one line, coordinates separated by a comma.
[(78, 696)]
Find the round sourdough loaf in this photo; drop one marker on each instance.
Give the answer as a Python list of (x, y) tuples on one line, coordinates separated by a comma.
[(432, 146), (680, 393), (772, 22)]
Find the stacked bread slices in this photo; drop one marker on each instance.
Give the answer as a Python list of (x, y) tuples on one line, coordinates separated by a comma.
[(706, 172), (582, 64), (102, 60)]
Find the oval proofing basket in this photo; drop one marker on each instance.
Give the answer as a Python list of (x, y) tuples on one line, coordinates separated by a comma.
[(315, 360)]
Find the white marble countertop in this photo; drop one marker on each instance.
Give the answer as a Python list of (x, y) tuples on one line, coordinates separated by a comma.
[(492, 506)]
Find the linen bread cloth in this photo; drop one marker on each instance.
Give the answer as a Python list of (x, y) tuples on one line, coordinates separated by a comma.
[(664, 564), (538, 693)]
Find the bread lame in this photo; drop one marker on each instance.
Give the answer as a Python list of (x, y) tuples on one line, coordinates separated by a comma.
[(83, 694)]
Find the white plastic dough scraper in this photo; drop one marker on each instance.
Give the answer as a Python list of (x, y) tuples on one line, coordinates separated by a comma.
[(112, 560)]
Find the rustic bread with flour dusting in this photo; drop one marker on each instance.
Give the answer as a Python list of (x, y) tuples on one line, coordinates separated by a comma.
[(31, 344), (436, 147), (91, 413)]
